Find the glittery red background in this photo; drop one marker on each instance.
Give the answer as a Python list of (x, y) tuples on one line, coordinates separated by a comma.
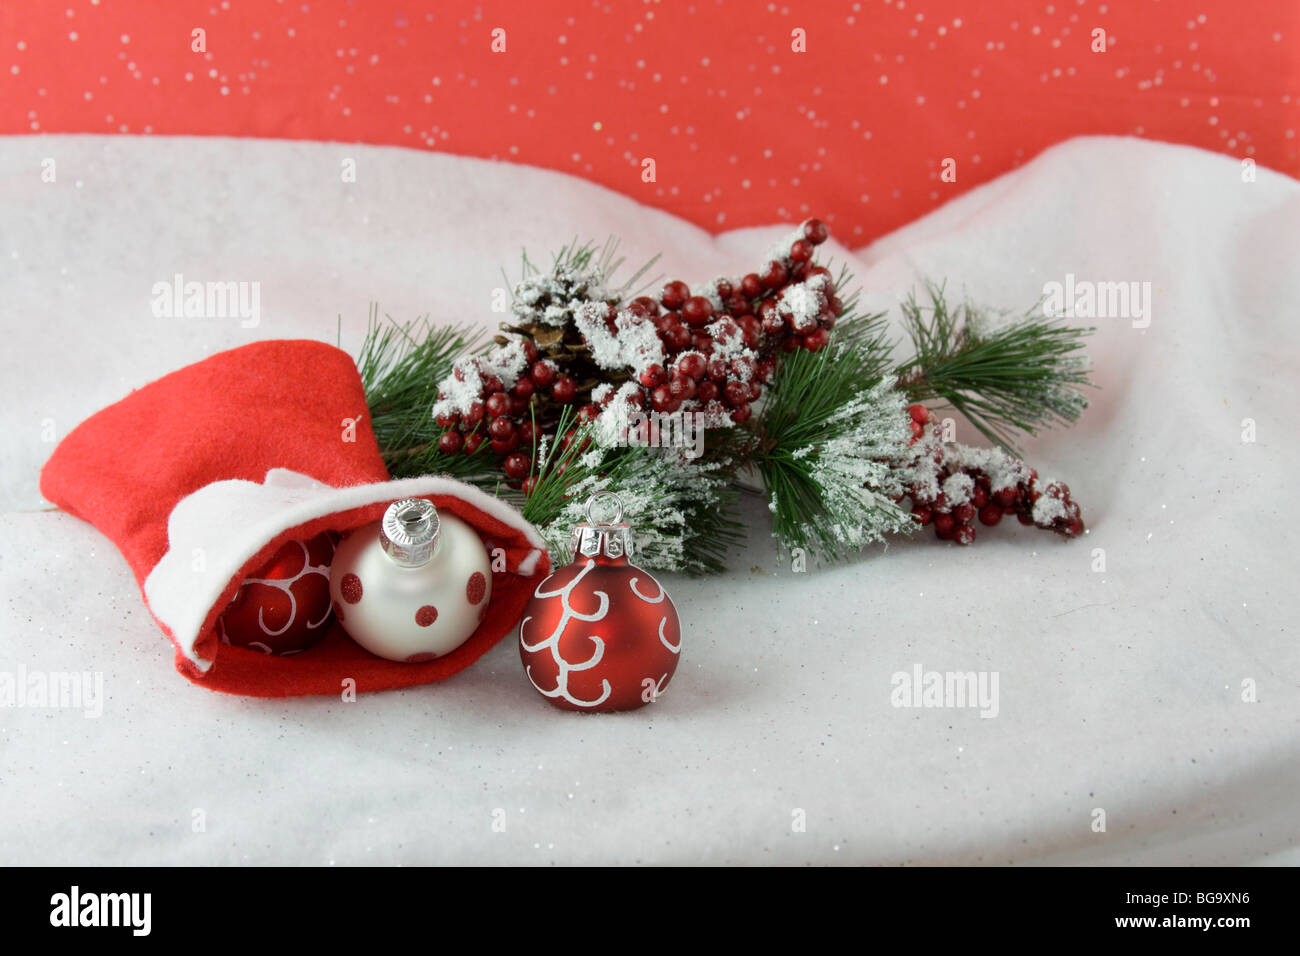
[(742, 129)]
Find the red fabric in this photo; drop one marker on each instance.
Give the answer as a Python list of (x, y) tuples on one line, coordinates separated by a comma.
[(271, 404), (743, 130)]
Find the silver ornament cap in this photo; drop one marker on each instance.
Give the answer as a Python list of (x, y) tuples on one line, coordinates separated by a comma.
[(409, 532), (609, 539)]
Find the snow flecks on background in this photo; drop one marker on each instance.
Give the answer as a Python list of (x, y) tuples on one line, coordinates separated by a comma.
[(884, 110)]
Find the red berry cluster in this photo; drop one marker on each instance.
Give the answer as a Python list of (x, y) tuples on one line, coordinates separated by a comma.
[(953, 508), (503, 416), (719, 351)]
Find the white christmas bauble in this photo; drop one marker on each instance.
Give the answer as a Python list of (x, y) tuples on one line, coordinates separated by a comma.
[(413, 586)]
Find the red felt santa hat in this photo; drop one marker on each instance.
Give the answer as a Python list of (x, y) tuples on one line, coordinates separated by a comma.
[(202, 476)]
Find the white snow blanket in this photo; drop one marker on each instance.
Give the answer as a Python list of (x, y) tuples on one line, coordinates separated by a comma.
[(1147, 676)]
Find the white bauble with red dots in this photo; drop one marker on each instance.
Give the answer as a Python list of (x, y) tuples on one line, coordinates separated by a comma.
[(413, 586)]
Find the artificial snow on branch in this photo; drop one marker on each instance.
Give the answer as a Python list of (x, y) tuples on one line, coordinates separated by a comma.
[(777, 369)]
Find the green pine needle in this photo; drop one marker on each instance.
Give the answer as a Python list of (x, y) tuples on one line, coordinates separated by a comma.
[(682, 519), (866, 333), (1020, 374), (401, 365), (830, 435)]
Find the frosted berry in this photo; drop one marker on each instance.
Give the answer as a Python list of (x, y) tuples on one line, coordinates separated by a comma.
[(661, 399), (674, 294), (815, 231), (653, 376), (646, 306), (516, 466), (564, 389), (816, 340), (736, 393), (543, 374), (697, 310), (677, 338), (774, 275), (692, 365)]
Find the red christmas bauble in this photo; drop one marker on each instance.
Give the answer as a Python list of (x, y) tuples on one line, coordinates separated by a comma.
[(600, 634), (283, 608)]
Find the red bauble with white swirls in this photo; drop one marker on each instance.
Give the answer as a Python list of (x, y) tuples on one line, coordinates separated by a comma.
[(600, 634), (283, 608)]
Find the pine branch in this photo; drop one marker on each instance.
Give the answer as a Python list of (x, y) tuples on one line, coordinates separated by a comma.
[(400, 367), (810, 386), (867, 333), (682, 513), (557, 467), (482, 468), (1020, 374), (830, 438)]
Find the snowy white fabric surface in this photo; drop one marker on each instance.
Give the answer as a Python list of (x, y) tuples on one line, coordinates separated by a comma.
[(1120, 690)]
